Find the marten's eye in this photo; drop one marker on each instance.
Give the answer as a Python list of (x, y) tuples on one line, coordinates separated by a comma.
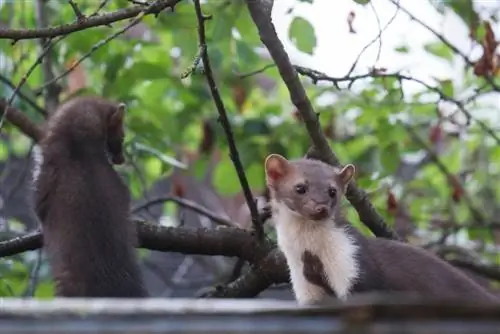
[(332, 192), (301, 188)]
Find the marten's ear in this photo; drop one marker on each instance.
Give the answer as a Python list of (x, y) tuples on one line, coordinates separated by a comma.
[(117, 116), (276, 167), (346, 174)]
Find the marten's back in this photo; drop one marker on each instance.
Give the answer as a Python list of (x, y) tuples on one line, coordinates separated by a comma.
[(83, 206)]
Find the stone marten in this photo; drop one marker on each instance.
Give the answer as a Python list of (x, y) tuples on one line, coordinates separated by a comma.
[(83, 204), (305, 197)]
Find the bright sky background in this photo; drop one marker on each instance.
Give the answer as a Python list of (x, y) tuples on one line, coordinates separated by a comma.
[(337, 49)]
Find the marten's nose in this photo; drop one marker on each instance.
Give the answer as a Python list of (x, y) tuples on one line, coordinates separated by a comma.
[(321, 212)]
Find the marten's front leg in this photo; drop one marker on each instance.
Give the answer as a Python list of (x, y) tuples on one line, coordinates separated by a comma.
[(314, 271)]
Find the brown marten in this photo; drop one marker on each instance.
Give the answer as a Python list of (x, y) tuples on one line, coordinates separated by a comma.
[(83, 204), (305, 198)]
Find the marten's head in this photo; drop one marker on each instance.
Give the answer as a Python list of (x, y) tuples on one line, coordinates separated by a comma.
[(90, 122), (309, 188), (116, 134)]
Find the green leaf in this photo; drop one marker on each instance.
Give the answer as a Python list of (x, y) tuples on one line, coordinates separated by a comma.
[(153, 168), (255, 126), (440, 50), (114, 65), (163, 157), (225, 179), (146, 71), (447, 87), (302, 34), (463, 8), (402, 49), (362, 2), (390, 158), (246, 56), (199, 167), (4, 151), (255, 175), (45, 290)]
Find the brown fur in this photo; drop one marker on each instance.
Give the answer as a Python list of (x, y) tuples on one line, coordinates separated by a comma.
[(314, 271), (390, 265), (83, 204)]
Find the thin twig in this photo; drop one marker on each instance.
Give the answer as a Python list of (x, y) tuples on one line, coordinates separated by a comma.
[(23, 81), (377, 38), (98, 9), (23, 96), (233, 151), (79, 15), (187, 204), (249, 74)]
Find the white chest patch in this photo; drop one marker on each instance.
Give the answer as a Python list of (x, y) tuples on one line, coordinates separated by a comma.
[(333, 245), (38, 159)]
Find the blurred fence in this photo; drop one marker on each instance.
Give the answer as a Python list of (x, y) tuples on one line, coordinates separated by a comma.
[(363, 315)]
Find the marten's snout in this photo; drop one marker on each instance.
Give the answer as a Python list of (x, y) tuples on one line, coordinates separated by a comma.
[(320, 212)]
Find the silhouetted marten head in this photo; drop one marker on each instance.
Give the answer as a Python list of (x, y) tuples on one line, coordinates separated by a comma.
[(308, 188), (90, 122)]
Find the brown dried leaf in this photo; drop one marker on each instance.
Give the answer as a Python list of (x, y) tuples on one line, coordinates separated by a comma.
[(350, 21)]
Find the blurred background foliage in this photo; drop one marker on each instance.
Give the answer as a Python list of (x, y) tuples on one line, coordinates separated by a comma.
[(168, 115)]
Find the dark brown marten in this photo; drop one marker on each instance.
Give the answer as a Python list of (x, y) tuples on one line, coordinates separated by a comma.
[(83, 204)]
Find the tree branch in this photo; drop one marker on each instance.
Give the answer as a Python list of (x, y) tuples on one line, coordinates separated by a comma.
[(271, 270), (23, 96), (78, 14), (93, 21), (223, 241), (491, 272), (358, 198), (21, 121), (233, 151), (187, 204)]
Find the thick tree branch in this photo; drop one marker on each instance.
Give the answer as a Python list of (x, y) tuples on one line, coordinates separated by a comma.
[(491, 272), (93, 21), (233, 151), (268, 265), (224, 241), (358, 198), (23, 96), (22, 122), (271, 270)]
